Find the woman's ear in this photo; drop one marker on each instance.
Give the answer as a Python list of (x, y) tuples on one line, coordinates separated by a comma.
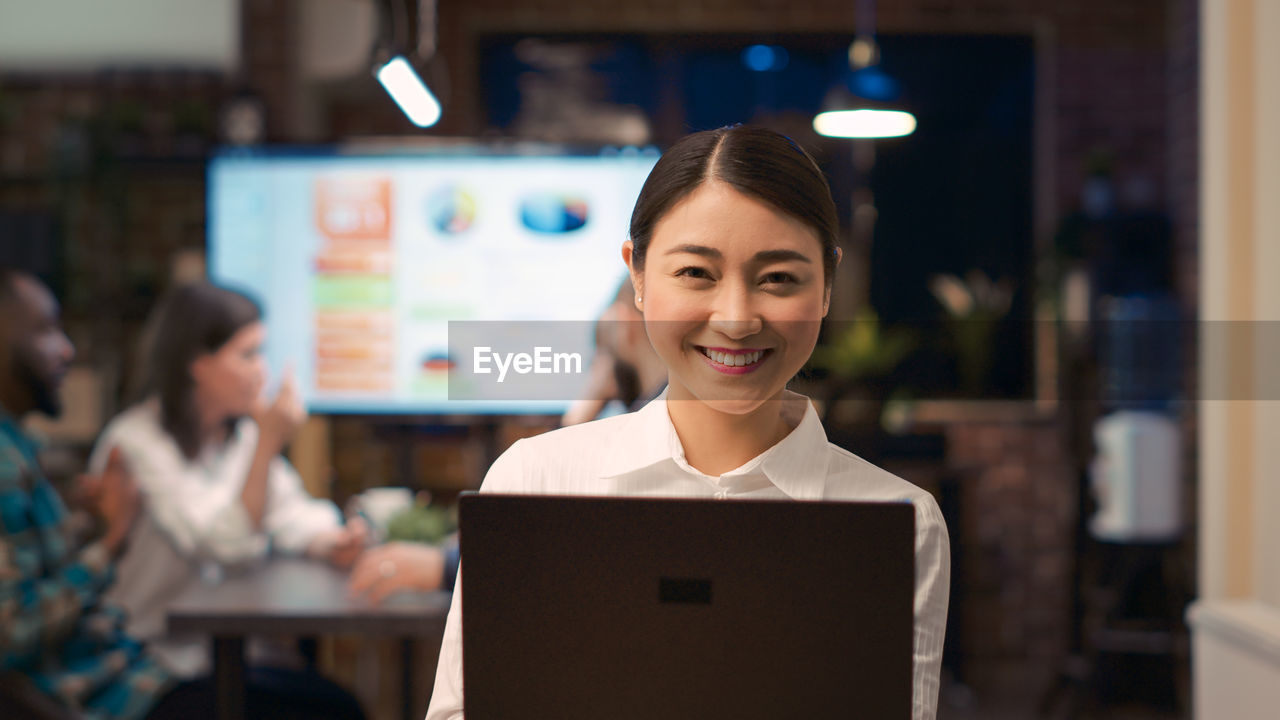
[(826, 294), (637, 276), (199, 367)]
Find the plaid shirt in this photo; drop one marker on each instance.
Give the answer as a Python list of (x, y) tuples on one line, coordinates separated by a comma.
[(52, 627)]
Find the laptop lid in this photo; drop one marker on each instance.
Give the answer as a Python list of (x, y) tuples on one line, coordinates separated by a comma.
[(621, 608)]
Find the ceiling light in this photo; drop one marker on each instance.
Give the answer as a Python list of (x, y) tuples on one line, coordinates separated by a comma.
[(409, 91), (864, 123)]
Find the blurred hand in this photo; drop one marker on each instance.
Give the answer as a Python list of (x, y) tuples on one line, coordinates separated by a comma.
[(113, 497), (395, 567), (281, 417), (341, 546)]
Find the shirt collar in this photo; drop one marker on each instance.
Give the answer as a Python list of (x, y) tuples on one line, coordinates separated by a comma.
[(644, 439), (797, 465)]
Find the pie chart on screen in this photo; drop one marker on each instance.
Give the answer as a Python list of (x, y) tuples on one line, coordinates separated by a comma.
[(551, 213), (451, 210), (437, 362)]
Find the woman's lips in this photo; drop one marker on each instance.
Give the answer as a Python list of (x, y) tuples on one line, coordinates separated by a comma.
[(734, 361)]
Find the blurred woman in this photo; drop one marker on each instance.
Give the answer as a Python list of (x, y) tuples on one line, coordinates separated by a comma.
[(625, 373), (204, 449)]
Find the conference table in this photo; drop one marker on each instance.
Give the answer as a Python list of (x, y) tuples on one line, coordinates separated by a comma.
[(300, 598)]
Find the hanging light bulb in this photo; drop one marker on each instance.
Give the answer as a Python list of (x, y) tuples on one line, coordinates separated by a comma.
[(862, 107), (863, 52)]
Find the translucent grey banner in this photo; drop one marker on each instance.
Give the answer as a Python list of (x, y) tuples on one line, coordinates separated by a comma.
[(1150, 362), (1120, 363)]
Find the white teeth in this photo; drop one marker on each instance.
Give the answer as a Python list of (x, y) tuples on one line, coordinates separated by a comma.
[(734, 359)]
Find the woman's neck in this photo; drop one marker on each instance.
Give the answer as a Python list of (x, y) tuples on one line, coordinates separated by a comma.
[(716, 442), (213, 428)]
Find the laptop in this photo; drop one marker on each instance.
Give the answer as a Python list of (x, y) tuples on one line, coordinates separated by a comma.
[(645, 609)]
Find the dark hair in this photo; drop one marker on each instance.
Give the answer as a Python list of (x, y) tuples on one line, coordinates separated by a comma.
[(754, 161), (192, 320)]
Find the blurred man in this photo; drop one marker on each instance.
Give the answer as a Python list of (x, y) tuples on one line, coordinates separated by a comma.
[(60, 649)]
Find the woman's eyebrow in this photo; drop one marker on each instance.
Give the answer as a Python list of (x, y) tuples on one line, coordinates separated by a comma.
[(764, 256), (767, 256), (701, 250)]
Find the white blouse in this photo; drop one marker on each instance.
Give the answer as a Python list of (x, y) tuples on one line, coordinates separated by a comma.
[(192, 523), (640, 454)]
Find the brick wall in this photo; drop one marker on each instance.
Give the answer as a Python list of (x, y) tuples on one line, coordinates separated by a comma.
[(116, 158), (116, 162), (1013, 534)]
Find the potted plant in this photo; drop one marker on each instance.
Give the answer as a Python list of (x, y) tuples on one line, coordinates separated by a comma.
[(975, 307), (858, 361)]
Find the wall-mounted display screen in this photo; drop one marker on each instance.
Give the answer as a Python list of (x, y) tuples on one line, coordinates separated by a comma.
[(361, 261)]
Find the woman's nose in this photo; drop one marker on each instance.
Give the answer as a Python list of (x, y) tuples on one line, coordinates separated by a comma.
[(734, 314)]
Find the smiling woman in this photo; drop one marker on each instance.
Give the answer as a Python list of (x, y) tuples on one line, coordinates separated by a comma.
[(734, 313), (732, 254)]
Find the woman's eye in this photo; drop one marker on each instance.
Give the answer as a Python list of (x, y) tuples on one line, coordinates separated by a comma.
[(693, 272), (779, 278)]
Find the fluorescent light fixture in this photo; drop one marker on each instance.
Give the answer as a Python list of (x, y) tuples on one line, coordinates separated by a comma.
[(864, 123), (409, 92)]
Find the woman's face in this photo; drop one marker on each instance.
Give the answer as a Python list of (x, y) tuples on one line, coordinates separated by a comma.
[(229, 380), (733, 296)]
